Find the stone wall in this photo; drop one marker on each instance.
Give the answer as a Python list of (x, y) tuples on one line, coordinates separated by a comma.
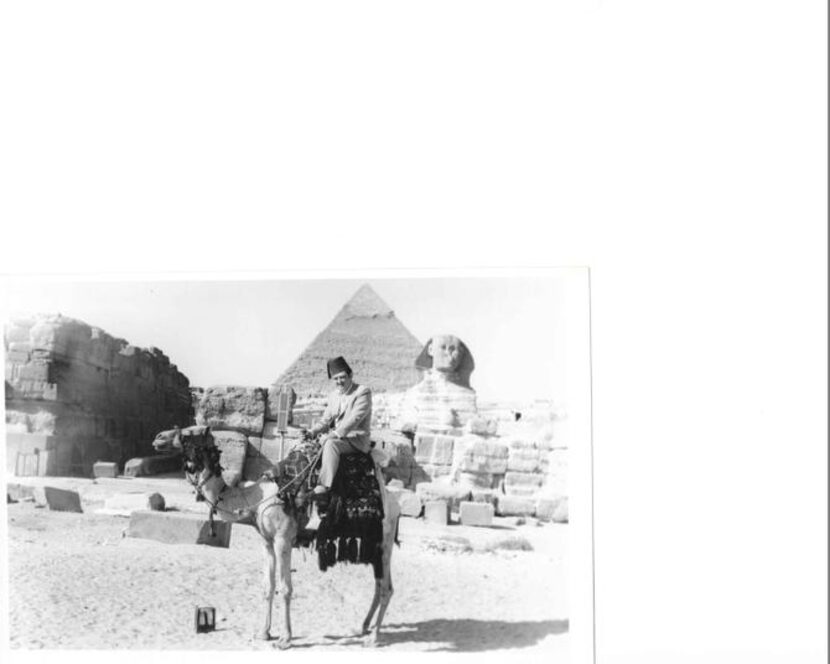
[(520, 461), (76, 395)]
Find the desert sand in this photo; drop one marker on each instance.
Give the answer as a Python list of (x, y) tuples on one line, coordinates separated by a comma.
[(76, 582)]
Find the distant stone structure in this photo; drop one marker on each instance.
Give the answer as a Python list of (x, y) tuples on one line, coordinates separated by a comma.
[(443, 399), (377, 346), (76, 395)]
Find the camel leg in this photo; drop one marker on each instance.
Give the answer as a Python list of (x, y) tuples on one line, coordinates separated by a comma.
[(269, 570), (375, 602), (283, 547), (383, 593)]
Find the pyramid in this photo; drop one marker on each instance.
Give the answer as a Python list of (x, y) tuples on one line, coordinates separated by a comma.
[(377, 346)]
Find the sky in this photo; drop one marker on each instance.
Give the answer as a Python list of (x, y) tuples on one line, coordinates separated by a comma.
[(247, 332)]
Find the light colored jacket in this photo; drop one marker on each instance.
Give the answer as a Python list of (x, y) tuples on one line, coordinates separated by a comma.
[(353, 421)]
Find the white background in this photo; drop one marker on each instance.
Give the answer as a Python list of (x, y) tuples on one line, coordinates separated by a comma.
[(678, 149)]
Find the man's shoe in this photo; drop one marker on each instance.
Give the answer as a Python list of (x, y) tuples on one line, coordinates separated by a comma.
[(314, 521)]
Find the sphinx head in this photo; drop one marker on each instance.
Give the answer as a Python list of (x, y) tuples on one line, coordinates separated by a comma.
[(448, 355)]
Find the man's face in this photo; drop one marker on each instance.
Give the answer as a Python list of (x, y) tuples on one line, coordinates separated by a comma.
[(343, 381)]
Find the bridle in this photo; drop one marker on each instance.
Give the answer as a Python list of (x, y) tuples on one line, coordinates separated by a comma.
[(199, 456)]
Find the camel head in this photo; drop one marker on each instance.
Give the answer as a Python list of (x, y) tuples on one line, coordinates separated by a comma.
[(168, 441), (200, 456)]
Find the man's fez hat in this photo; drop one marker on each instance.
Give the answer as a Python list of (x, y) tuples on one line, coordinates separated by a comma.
[(337, 365)]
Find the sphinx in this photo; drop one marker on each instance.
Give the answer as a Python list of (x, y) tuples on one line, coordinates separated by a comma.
[(443, 399)]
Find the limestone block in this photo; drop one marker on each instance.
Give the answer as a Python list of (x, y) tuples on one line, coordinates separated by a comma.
[(178, 528), (433, 449), (521, 443), (233, 446), (233, 408), (436, 471), (476, 480), (484, 496), (436, 512), (476, 514), (514, 480), (16, 493), (552, 508), (514, 506), (452, 495), (476, 454), (58, 500), (105, 469), (410, 503), (153, 465), (525, 460), (476, 424)]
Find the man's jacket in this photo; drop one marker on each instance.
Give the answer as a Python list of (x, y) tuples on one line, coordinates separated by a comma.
[(349, 416)]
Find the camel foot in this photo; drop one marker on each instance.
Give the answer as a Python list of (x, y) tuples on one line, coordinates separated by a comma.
[(263, 635), (361, 631), (371, 640), (284, 642)]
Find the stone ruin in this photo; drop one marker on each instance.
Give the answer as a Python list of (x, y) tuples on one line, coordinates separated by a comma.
[(76, 395), (443, 448)]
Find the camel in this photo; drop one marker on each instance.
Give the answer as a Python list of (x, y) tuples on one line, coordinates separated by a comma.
[(258, 504)]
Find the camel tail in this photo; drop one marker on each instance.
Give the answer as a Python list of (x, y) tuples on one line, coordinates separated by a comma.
[(397, 531)]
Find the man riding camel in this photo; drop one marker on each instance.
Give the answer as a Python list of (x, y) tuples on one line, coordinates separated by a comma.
[(347, 419)]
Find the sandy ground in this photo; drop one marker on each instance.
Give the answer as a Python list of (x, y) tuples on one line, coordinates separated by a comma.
[(77, 582)]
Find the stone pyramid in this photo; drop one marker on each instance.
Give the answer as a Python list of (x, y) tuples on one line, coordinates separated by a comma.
[(377, 346)]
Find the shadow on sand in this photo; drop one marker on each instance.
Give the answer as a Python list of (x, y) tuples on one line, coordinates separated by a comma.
[(466, 635)]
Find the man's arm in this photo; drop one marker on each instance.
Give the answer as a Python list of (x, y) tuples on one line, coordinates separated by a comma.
[(361, 406), (325, 421)]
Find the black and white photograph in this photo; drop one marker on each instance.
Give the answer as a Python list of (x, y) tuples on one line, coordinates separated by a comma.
[(299, 463)]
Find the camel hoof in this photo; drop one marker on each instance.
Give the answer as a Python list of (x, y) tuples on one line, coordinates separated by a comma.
[(284, 643), (370, 641), (264, 635)]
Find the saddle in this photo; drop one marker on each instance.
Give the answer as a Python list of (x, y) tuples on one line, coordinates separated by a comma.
[(351, 529)]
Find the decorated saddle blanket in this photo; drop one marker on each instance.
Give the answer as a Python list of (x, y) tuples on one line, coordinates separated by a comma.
[(352, 528)]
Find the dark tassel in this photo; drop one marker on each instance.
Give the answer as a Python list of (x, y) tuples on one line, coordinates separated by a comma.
[(342, 550), (321, 558), (367, 550), (331, 553), (352, 549)]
